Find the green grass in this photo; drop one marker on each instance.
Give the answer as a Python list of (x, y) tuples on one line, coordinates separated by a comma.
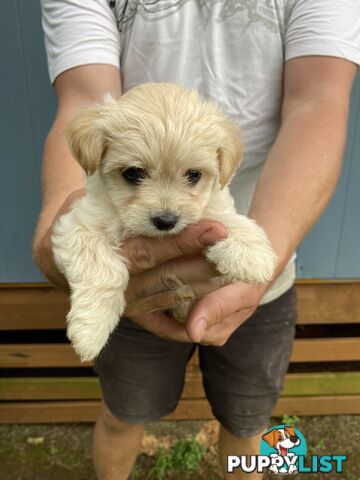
[(184, 456), (291, 421), (65, 452)]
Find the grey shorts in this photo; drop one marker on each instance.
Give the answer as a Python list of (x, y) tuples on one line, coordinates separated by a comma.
[(142, 375)]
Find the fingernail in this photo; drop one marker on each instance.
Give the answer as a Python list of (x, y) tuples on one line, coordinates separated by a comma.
[(210, 237), (200, 328)]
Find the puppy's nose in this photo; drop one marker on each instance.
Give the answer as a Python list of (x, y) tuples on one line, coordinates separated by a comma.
[(166, 221), (294, 438)]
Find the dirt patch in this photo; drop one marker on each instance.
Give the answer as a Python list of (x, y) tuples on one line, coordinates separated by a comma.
[(63, 452)]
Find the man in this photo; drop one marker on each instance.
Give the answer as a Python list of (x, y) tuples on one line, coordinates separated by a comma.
[(283, 69)]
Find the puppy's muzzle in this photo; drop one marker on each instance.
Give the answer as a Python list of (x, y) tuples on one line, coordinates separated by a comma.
[(165, 221)]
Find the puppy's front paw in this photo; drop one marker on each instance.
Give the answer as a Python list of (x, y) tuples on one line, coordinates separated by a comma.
[(292, 470), (273, 468), (246, 260), (87, 340), (89, 329), (180, 312)]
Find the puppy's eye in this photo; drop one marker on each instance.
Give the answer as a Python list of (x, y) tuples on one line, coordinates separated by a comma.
[(134, 175), (193, 176)]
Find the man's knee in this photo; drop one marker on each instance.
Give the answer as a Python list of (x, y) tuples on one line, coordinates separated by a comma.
[(114, 426)]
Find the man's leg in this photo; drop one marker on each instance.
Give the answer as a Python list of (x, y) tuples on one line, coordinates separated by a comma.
[(116, 445), (231, 445), (141, 377), (244, 378)]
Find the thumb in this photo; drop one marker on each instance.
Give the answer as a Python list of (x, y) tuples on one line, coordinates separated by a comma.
[(213, 308)]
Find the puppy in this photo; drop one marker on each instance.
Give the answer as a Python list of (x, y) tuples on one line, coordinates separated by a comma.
[(157, 160)]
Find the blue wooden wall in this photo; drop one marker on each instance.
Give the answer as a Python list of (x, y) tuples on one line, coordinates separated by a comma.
[(27, 109), (331, 250)]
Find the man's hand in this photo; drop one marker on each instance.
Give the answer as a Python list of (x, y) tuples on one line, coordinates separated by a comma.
[(43, 251), (216, 316), (167, 272), (171, 271)]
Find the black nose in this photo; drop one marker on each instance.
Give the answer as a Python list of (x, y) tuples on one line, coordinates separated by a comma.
[(294, 438), (166, 221)]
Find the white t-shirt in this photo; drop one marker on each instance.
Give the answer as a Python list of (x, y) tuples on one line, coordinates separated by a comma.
[(230, 50)]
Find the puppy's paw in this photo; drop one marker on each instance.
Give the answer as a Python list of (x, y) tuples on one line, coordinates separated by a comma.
[(87, 340), (292, 470), (273, 468), (245, 260), (89, 329), (180, 312)]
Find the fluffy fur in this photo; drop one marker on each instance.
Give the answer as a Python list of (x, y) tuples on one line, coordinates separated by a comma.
[(167, 132)]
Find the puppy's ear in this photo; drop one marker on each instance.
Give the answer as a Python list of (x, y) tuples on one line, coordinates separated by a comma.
[(86, 135), (290, 430), (270, 438), (229, 152)]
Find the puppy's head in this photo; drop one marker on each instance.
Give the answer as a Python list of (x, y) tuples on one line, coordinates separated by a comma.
[(282, 438), (159, 153)]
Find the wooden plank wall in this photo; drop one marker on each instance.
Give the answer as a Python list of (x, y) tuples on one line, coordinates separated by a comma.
[(38, 398), (42, 307)]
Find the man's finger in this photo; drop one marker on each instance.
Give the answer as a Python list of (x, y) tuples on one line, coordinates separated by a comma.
[(171, 275), (216, 306), (163, 326), (144, 253), (220, 333), (169, 299)]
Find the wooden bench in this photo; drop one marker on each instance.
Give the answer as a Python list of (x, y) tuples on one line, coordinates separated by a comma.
[(43, 381)]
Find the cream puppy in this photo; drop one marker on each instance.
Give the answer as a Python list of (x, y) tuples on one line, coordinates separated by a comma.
[(157, 160)]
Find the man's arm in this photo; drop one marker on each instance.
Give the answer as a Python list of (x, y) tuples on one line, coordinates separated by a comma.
[(301, 172), (62, 178), (296, 183)]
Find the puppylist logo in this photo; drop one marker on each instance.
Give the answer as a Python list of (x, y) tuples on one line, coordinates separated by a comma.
[(283, 451)]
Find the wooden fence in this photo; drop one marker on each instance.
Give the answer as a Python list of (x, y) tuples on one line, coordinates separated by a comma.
[(43, 381)]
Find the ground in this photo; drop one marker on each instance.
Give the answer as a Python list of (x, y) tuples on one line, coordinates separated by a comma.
[(171, 450)]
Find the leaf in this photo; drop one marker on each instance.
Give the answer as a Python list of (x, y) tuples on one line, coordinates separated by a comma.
[(35, 440)]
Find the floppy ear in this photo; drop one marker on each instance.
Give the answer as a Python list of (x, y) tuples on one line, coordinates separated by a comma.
[(270, 438), (86, 135), (290, 430), (229, 152)]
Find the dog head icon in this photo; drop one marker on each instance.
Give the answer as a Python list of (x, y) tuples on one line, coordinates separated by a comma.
[(282, 439)]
